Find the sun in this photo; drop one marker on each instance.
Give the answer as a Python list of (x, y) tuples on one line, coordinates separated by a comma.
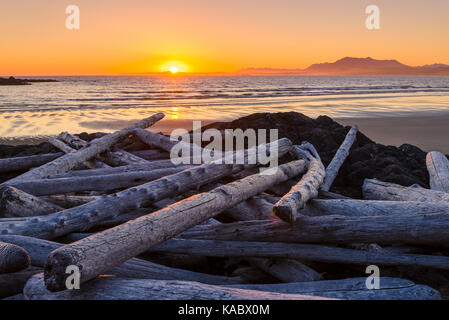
[(174, 69)]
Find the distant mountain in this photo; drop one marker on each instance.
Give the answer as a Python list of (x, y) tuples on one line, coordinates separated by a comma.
[(355, 66)]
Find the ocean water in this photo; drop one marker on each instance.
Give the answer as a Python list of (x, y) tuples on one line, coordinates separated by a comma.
[(79, 104)]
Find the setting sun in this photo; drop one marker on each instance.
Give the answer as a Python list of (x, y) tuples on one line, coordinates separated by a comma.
[(174, 67)]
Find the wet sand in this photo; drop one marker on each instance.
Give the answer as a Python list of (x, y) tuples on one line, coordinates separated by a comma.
[(430, 133)]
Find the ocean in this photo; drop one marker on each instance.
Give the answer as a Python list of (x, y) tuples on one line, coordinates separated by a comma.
[(79, 104)]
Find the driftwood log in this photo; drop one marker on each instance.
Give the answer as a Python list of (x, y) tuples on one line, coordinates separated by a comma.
[(150, 155), (145, 289), (92, 163), (438, 167), (68, 201), (307, 188), (16, 203), (352, 289), (286, 270), (378, 190), (105, 250), (13, 258), (306, 252), (133, 268), (150, 166), (13, 283), (115, 158), (364, 208), (422, 229), (106, 207), (24, 163), (339, 158), (69, 161), (110, 182)]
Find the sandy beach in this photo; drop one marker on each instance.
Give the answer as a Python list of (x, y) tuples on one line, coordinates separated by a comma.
[(430, 133)]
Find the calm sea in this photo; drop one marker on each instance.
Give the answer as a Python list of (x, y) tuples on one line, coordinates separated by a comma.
[(106, 103)]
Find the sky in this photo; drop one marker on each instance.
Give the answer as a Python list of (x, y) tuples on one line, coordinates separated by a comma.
[(138, 36)]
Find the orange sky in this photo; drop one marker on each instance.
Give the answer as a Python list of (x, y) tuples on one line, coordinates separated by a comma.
[(137, 36)]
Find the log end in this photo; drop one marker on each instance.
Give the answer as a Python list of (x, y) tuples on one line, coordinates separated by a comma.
[(13, 258), (56, 270), (285, 213)]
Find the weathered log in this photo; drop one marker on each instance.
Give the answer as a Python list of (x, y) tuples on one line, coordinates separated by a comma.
[(145, 289), (330, 195), (352, 289), (13, 283), (363, 208), (307, 188), (102, 251), (13, 258), (151, 154), (286, 270), (16, 203), (97, 146), (305, 252), (68, 201), (339, 158), (133, 268), (150, 166), (87, 216), (255, 208), (24, 163), (413, 229), (115, 158), (92, 163), (110, 182), (438, 167), (378, 190)]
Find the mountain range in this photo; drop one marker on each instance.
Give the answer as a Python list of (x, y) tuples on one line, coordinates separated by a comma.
[(355, 66)]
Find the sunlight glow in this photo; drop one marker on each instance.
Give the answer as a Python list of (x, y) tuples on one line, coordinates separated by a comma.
[(174, 67)]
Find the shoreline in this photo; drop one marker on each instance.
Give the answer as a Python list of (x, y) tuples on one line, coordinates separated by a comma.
[(428, 132)]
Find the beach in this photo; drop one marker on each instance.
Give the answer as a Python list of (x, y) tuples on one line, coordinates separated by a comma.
[(430, 133)]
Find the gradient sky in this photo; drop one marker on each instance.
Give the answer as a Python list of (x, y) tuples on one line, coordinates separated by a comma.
[(134, 36)]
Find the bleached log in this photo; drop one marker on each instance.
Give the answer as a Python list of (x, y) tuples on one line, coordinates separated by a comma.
[(92, 163), (286, 270), (16, 203), (255, 208), (13, 283), (24, 163), (307, 188), (339, 158), (352, 289), (87, 216), (92, 183), (13, 258), (150, 166), (378, 190), (115, 158), (303, 252), (422, 229), (363, 208), (69, 161), (438, 167), (145, 289), (151, 154), (156, 140), (330, 195), (133, 268), (68, 201), (102, 251)]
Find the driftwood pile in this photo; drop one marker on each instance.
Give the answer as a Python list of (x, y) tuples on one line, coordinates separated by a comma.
[(137, 226)]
